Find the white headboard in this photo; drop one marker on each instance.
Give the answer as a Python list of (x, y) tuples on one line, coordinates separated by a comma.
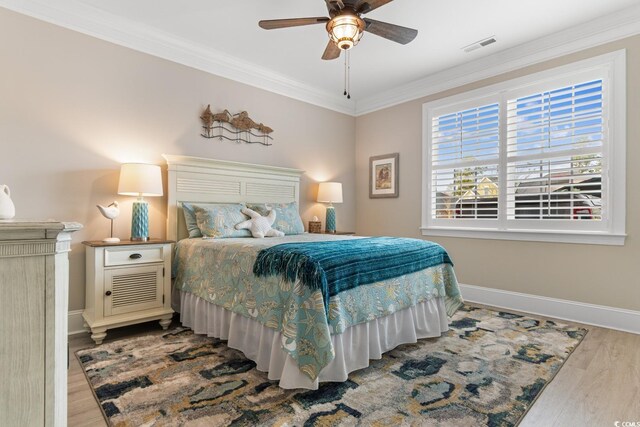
[(195, 179)]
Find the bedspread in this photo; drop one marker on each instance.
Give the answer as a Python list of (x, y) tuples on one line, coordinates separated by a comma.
[(337, 266), (220, 271)]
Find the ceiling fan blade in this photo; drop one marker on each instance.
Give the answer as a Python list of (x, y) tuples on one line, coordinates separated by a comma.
[(331, 52), (272, 24), (334, 5), (366, 6), (396, 33)]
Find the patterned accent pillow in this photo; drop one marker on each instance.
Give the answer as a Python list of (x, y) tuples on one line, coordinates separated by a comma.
[(287, 217), (190, 220), (218, 221)]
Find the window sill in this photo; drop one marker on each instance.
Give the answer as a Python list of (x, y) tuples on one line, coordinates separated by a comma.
[(589, 238)]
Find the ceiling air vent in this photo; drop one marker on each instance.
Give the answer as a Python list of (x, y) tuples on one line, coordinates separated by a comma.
[(479, 44)]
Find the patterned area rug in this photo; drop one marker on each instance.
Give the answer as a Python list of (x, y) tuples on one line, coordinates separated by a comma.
[(487, 370)]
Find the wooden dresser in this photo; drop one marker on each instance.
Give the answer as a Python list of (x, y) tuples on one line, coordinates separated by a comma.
[(34, 293)]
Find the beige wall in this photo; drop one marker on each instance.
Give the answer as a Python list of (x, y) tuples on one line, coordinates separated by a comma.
[(604, 275), (72, 108)]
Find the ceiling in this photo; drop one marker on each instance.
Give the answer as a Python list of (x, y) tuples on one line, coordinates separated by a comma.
[(377, 65)]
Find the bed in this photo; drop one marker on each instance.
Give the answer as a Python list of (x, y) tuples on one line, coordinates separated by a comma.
[(289, 330)]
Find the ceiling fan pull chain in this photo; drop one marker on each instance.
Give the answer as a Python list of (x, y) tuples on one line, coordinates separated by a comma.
[(348, 59), (345, 74)]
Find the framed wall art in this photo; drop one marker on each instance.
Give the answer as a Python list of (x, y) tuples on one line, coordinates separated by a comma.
[(383, 176)]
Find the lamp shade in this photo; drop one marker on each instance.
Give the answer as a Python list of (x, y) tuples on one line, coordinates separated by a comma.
[(140, 179), (330, 192)]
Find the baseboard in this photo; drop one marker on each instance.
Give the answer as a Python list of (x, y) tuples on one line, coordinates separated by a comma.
[(590, 314), (75, 322)]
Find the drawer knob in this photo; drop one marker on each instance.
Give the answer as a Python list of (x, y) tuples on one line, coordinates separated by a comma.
[(135, 256), (108, 293)]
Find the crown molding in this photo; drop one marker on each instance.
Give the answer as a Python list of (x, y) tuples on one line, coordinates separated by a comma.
[(86, 19), (80, 17), (616, 26)]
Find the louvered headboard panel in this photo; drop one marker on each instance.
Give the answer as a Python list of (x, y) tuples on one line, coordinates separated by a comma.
[(194, 179)]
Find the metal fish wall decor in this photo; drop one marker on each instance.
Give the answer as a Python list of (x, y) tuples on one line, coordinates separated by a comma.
[(234, 127)]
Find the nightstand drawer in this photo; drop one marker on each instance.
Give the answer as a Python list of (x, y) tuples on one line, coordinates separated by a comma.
[(129, 256)]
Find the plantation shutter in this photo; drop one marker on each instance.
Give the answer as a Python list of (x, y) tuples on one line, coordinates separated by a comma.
[(540, 158), (554, 147), (465, 158)]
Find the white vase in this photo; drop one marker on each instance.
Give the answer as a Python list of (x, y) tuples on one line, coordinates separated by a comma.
[(7, 209)]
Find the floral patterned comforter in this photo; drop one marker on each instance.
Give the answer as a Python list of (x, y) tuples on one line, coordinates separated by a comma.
[(220, 271)]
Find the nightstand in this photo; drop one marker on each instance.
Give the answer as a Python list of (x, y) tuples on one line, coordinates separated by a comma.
[(127, 283)]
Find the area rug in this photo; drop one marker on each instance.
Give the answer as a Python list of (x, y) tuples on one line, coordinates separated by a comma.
[(487, 370)]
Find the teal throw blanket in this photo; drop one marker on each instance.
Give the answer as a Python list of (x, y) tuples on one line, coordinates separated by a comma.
[(336, 266)]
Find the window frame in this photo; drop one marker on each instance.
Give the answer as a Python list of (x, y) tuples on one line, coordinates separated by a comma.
[(611, 68)]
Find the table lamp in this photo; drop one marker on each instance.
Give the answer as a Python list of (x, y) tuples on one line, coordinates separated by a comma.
[(330, 192), (139, 179)]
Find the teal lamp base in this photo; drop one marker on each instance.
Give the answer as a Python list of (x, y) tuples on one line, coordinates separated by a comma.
[(140, 221), (331, 220)]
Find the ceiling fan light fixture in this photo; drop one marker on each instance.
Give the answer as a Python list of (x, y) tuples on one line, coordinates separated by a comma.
[(346, 30)]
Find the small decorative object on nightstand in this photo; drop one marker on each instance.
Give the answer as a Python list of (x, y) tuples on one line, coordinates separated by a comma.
[(127, 283), (315, 226), (139, 179), (330, 192), (110, 212)]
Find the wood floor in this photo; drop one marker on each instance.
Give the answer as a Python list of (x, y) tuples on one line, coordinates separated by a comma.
[(598, 385)]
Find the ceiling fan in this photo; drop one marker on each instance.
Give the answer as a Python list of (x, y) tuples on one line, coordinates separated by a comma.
[(346, 26)]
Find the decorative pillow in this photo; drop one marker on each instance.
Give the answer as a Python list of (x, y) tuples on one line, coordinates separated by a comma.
[(218, 221), (190, 220), (260, 226), (287, 217)]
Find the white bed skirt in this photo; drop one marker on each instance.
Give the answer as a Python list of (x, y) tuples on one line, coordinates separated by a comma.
[(354, 348)]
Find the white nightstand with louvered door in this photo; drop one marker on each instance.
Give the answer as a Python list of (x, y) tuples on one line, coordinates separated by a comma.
[(127, 283)]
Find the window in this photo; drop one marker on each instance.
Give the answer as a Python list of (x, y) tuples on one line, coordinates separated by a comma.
[(536, 158)]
